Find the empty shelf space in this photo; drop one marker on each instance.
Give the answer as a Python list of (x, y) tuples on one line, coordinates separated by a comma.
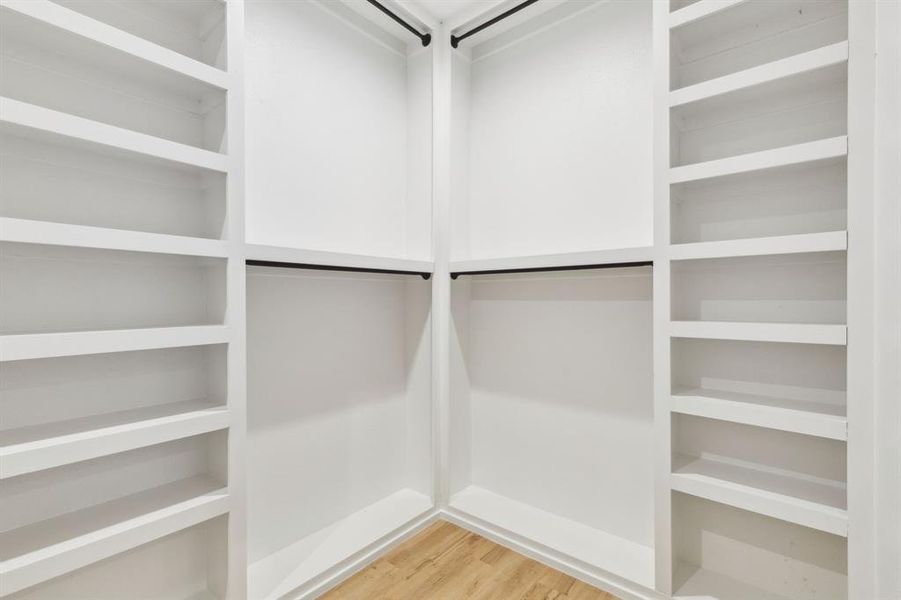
[(548, 262), (695, 582), (608, 553), (807, 501), (60, 234), (49, 345), (806, 62), (797, 416), (60, 22), (798, 333), (699, 10), (41, 551), (30, 449), (304, 563), (25, 118), (300, 256), (765, 159), (786, 244)]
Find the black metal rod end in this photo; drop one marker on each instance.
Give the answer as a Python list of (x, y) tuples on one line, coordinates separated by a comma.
[(455, 41), (454, 275), (426, 39), (426, 276)]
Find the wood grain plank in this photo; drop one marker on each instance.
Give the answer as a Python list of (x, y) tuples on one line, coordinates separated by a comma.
[(445, 562)]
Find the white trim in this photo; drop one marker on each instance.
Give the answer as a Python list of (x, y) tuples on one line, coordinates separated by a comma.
[(625, 590), (30, 116), (335, 259), (130, 430), (831, 241), (569, 259), (792, 66), (50, 345), (794, 333), (27, 231), (765, 159)]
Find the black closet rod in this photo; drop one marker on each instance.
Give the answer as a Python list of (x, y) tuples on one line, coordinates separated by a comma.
[(290, 265), (643, 263), (456, 39), (425, 38)]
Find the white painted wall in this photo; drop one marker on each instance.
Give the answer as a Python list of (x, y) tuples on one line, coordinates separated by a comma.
[(338, 133), (331, 428), (560, 399), (560, 135)]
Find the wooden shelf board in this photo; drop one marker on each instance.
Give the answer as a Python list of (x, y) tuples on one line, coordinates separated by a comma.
[(61, 21), (831, 241), (699, 10), (606, 552), (338, 259), (301, 564), (792, 66), (796, 333), (544, 261), (765, 159), (31, 120), (79, 236), (41, 551), (39, 447), (805, 501), (797, 416), (51, 345)]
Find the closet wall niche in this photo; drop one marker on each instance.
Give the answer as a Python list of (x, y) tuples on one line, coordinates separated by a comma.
[(339, 122), (551, 408)]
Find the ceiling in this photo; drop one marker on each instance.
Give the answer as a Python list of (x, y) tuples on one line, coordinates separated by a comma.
[(444, 9)]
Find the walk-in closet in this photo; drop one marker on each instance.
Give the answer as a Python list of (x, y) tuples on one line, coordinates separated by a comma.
[(610, 285)]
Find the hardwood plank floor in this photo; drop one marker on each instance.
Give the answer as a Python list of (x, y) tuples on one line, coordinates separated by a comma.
[(445, 562)]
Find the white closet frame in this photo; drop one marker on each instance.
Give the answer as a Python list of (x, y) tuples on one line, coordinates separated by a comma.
[(873, 233)]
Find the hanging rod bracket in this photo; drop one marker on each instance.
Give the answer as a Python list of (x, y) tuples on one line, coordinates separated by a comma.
[(425, 38), (623, 265), (289, 265), (456, 39)]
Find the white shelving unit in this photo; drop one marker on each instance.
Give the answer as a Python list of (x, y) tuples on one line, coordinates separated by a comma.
[(121, 411), (754, 203)]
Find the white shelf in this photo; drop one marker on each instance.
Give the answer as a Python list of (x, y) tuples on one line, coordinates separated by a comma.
[(704, 584), (797, 416), (609, 553), (303, 562), (546, 261), (796, 333), (765, 159), (79, 236), (41, 551), (29, 119), (51, 345), (301, 256), (831, 241), (699, 10), (31, 449), (71, 22), (787, 67), (810, 502)]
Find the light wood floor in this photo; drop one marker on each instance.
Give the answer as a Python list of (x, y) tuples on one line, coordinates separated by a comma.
[(444, 562)]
